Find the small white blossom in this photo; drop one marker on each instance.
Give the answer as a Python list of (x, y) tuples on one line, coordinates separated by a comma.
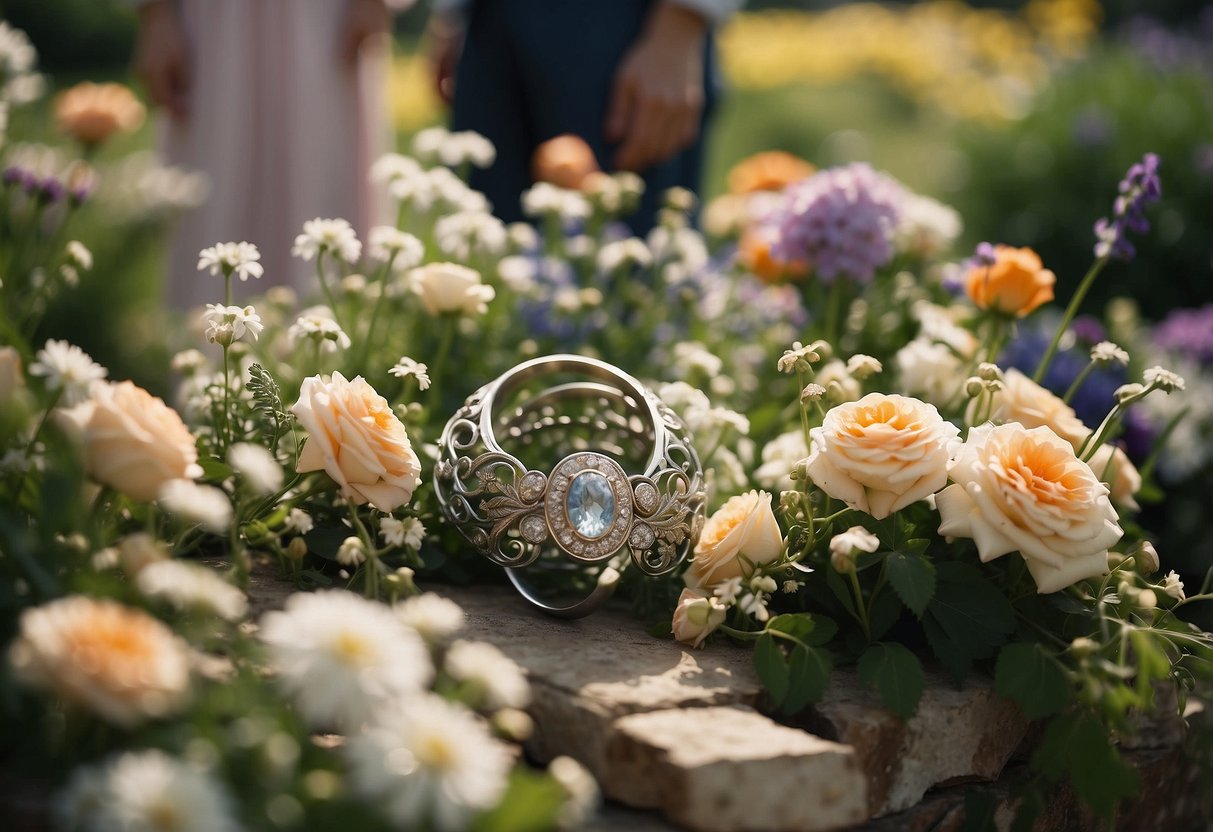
[(257, 466), (351, 552), (228, 324), (694, 356), (844, 545), (763, 583), (231, 258), (68, 368), (299, 521), (79, 255), (406, 367), (863, 366), (317, 324), (755, 604), (790, 587), (393, 166), (1128, 391), (188, 362), (1173, 586), (408, 532), (386, 242), (812, 392), (498, 681), (799, 358), (728, 590), (190, 586), (623, 254), (545, 199), (434, 617), (205, 505), (331, 235), (1162, 379), (1105, 352), (464, 233)]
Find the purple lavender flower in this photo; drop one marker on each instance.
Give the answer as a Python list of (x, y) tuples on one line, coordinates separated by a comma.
[(1140, 187), (1089, 330), (841, 222), (51, 190), (1188, 332)]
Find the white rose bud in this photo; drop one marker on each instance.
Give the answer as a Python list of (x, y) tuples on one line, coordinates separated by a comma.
[(696, 616)]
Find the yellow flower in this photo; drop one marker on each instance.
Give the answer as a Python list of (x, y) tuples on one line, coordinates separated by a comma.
[(115, 661), (354, 437)]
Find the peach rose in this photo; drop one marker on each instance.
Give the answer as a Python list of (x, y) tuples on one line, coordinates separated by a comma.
[(1115, 470), (882, 453), (448, 287), (356, 439), (133, 441), (698, 613), (771, 170), (1020, 489), (91, 113), (1015, 284), (744, 526), (565, 161), (115, 661)]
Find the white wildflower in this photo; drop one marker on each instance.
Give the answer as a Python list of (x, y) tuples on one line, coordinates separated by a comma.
[(844, 545), (863, 366), (393, 166), (1163, 380), (755, 604), (189, 586), (407, 367), (434, 617), (465, 233), (779, 456), (341, 658), (386, 242), (545, 199), (228, 324), (299, 521), (1106, 352), (497, 681), (799, 358), (79, 255), (205, 505), (690, 356), (351, 552), (68, 368), (231, 258), (317, 324), (728, 590), (1173, 586), (188, 362), (623, 254), (257, 466), (327, 235)]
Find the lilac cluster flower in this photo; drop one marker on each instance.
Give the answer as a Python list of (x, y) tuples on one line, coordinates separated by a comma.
[(1188, 332), (1140, 187), (840, 221)]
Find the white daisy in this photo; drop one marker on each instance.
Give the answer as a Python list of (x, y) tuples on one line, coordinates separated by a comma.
[(79, 255), (385, 241), (1163, 379), (188, 362), (433, 616), (623, 254), (406, 367), (351, 552), (545, 199), (146, 791), (407, 533), (257, 466), (1106, 352), (392, 166), (428, 762), (340, 657), (189, 586), (299, 521), (317, 324), (464, 233), (227, 324), (68, 368), (205, 505), (496, 681), (331, 235), (231, 258)]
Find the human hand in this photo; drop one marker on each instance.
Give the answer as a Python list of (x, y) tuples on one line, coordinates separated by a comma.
[(443, 43), (364, 20), (162, 57), (658, 94)]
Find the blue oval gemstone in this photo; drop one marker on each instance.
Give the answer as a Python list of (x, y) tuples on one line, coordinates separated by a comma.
[(590, 504)]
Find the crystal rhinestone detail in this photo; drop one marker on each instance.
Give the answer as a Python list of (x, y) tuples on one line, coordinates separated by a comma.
[(590, 504), (646, 497), (533, 529), (532, 485)]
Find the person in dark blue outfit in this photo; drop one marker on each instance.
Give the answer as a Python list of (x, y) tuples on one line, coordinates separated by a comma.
[(634, 78)]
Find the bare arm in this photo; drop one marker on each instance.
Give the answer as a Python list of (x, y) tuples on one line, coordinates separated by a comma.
[(162, 57)]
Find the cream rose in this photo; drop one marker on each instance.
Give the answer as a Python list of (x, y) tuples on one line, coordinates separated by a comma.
[(1020, 489), (356, 439), (698, 613), (133, 441), (882, 453), (1023, 400), (448, 287), (1115, 470), (117, 662), (744, 526)]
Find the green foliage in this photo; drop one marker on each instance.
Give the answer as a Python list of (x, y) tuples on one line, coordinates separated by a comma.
[(969, 618), (897, 675), (532, 803), (267, 398), (798, 675), (1033, 677), (913, 578), (1076, 747)]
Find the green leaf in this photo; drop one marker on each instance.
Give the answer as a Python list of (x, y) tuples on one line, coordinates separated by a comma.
[(896, 673), (1031, 676), (1076, 747), (824, 630), (326, 538), (808, 675), (1153, 664), (772, 668), (531, 803), (969, 617), (841, 589), (267, 398), (215, 470), (796, 625), (885, 610), (913, 579)]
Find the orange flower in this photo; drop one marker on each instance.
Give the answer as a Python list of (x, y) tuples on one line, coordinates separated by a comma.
[(1015, 284), (564, 161), (772, 170), (754, 252), (91, 113)]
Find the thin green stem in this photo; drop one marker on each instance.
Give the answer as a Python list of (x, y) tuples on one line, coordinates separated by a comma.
[(1068, 318), (381, 279), (1078, 381), (860, 606)]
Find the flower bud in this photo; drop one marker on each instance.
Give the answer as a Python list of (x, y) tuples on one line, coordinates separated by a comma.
[(1127, 391), (352, 552), (989, 372), (1146, 599), (1082, 647), (974, 387), (513, 724), (1146, 558), (296, 549), (842, 561)]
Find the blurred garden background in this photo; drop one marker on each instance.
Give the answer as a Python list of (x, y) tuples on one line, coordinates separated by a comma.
[(1021, 115)]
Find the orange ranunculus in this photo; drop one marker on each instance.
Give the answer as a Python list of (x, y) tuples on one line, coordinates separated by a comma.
[(772, 170), (754, 252), (564, 161), (91, 113), (1015, 284)]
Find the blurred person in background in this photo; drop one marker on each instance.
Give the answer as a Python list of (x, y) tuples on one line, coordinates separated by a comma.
[(636, 79), (282, 104)]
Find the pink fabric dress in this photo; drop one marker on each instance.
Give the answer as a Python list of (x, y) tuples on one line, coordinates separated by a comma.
[(284, 129)]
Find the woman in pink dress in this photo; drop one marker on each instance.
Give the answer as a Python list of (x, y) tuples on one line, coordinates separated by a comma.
[(281, 103)]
